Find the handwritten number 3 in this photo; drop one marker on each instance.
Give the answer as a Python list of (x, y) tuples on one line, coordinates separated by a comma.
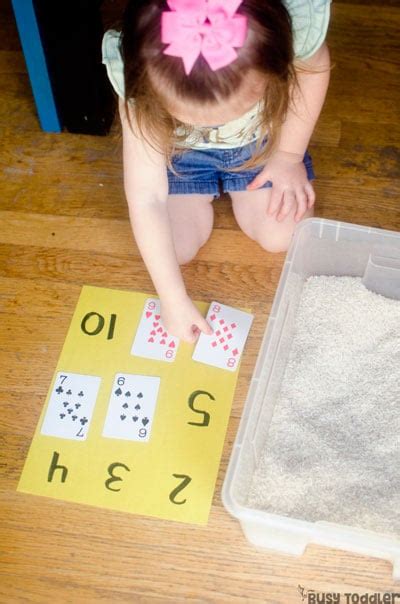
[(113, 478)]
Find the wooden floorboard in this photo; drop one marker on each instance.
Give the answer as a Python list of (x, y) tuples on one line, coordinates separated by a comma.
[(64, 223)]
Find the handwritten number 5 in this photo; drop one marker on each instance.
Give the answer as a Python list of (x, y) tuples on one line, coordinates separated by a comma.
[(206, 415)]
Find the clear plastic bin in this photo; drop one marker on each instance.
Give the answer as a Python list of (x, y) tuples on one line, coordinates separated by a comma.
[(319, 247)]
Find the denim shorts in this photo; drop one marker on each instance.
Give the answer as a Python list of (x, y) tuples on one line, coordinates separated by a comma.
[(208, 171)]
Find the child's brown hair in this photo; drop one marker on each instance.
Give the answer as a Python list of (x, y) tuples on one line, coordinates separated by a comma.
[(268, 50)]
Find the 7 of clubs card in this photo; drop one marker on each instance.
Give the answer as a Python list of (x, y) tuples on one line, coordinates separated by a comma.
[(225, 346), (71, 405)]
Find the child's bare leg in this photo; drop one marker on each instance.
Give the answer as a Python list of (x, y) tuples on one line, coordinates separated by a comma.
[(192, 218), (250, 209)]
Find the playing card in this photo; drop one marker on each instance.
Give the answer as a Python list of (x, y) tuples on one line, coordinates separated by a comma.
[(225, 346), (152, 341), (71, 405), (131, 407)]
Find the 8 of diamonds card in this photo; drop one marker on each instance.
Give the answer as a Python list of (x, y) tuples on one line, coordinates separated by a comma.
[(129, 413)]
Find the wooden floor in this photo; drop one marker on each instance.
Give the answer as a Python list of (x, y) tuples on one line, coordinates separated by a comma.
[(64, 223)]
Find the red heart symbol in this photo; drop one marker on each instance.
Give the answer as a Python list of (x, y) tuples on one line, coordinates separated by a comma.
[(148, 314), (164, 334), (159, 329), (171, 344), (153, 333), (150, 340), (155, 324), (157, 317), (162, 341)]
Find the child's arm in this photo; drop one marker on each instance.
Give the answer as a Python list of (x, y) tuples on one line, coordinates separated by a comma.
[(285, 167), (146, 189)]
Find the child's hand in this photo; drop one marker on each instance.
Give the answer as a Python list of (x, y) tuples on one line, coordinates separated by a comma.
[(290, 185), (183, 320)]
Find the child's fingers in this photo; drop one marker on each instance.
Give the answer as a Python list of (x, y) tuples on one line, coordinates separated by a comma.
[(310, 194), (302, 199), (190, 335), (259, 181), (275, 201), (204, 326), (289, 200)]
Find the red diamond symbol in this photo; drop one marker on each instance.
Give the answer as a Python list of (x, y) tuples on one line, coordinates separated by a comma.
[(226, 347), (218, 333), (229, 336), (213, 317), (213, 344), (221, 321), (222, 340), (233, 325), (235, 352)]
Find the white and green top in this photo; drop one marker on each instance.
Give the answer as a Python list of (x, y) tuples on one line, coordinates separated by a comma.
[(310, 19)]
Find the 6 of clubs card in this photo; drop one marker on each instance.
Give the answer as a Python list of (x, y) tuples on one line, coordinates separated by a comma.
[(134, 419)]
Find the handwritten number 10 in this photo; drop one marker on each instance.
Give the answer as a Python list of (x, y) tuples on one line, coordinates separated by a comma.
[(98, 325)]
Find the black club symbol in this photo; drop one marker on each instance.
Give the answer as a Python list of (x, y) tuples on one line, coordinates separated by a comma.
[(84, 421), (59, 390)]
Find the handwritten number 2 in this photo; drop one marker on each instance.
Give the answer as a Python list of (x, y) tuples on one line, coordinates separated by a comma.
[(186, 480)]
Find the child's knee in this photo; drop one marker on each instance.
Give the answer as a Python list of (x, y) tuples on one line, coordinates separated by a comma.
[(274, 242), (277, 238), (186, 253)]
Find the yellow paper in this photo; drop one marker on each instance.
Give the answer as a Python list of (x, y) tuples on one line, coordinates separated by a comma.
[(173, 474)]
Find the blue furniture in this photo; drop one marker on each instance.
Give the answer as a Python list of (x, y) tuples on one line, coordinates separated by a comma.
[(61, 41), (36, 64)]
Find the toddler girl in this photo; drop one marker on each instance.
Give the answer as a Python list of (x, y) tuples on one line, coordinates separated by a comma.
[(215, 95)]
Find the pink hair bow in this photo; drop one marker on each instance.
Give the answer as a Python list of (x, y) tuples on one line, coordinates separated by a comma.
[(207, 27)]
